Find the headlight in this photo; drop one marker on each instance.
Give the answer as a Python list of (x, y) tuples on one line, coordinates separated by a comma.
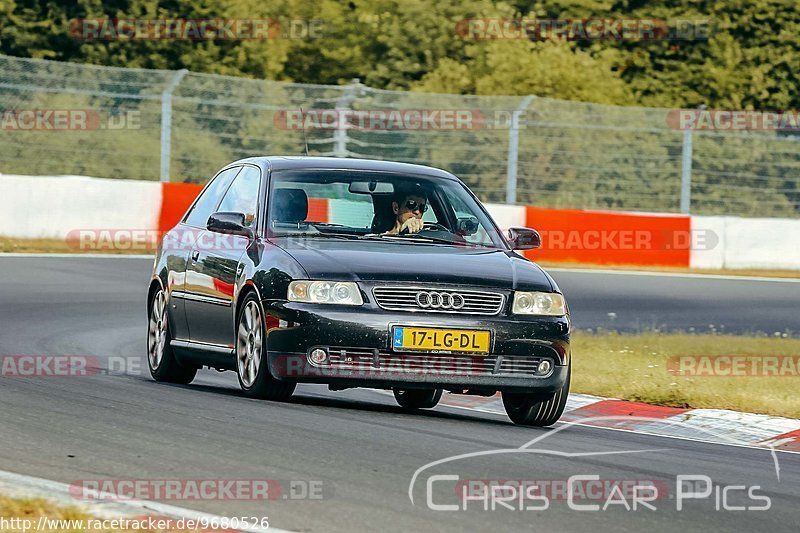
[(539, 303), (325, 292)]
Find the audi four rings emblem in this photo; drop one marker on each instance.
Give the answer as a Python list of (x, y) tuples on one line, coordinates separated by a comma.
[(439, 300)]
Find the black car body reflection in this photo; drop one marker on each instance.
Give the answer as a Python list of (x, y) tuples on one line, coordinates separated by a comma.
[(296, 269)]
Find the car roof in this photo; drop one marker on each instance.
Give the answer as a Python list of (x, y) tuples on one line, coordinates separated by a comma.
[(345, 163)]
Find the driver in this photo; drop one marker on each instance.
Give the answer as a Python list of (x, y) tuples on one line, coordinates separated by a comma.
[(408, 207)]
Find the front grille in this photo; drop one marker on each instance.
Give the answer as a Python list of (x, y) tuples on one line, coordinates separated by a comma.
[(443, 301), (379, 361)]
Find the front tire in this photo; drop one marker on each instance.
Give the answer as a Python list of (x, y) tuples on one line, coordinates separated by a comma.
[(531, 410), (164, 367), (252, 366), (417, 398)]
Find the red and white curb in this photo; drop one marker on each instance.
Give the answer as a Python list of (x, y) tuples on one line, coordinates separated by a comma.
[(711, 425), (20, 486)]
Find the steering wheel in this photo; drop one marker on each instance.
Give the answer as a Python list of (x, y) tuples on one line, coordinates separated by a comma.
[(433, 226)]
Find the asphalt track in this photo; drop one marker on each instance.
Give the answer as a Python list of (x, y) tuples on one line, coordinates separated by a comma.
[(358, 444)]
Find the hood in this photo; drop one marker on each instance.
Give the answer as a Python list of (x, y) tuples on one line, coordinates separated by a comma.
[(352, 260)]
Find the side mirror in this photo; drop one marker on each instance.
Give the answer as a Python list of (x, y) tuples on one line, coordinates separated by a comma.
[(524, 238), (467, 226), (229, 223)]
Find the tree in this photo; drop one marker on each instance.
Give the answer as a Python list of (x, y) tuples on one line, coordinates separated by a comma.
[(555, 69)]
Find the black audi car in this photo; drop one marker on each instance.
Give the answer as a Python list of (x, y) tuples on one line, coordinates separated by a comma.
[(357, 273)]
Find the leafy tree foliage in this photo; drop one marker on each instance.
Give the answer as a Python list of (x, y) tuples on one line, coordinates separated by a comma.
[(750, 59)]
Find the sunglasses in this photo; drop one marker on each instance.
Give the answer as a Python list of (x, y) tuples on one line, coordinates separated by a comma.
[(412, 205)]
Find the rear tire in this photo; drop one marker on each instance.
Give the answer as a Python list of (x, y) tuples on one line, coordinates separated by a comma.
[(417, 398), (164, 367), (252, 366), (532, 410)]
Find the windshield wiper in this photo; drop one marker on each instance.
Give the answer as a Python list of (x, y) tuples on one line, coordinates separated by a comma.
[(415, 237), (331, 234)]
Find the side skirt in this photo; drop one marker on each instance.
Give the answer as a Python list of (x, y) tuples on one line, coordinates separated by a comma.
[(202, 354)]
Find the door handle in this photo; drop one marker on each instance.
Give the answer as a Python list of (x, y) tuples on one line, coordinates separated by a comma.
[(195, 255)]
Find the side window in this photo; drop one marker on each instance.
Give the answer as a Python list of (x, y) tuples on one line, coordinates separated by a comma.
[(206, 204), (242, 197), (462, 211)]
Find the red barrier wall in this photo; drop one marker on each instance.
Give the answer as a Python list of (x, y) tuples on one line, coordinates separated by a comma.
[(175, 201), (594, 237), (318, 210), (568, 235)]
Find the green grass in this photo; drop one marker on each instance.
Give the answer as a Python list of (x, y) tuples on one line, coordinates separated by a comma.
[(634, 367)]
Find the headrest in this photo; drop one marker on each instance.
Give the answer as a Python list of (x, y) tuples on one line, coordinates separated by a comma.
[(384, 219), (291, 205)]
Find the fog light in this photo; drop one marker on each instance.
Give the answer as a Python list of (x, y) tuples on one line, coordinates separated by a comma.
[(544, 367), (318, 356)]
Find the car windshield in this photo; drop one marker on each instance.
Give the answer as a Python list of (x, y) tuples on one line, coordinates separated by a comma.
[(370, 205)]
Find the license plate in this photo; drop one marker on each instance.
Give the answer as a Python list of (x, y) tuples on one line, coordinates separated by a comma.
[(440, 340)]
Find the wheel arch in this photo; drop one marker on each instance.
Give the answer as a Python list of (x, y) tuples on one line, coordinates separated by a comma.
[(155, 285), (247, 288)]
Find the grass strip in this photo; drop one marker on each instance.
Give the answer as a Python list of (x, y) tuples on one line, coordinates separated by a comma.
[(647, 368)]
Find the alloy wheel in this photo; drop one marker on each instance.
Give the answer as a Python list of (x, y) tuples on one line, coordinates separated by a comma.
[(157, 330), (249, 344)]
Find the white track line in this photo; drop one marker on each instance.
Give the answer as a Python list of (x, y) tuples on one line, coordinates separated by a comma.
[(753, 446), (581, 400), (21, 486)]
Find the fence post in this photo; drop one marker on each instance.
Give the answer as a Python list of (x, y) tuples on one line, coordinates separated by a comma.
[(686, 172), (166, 122), (342, 105), (513, 150)]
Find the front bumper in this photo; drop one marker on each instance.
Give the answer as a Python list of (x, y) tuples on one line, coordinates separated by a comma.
[(358, 341)]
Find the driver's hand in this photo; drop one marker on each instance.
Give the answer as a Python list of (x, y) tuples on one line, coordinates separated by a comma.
[(412, 225)]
